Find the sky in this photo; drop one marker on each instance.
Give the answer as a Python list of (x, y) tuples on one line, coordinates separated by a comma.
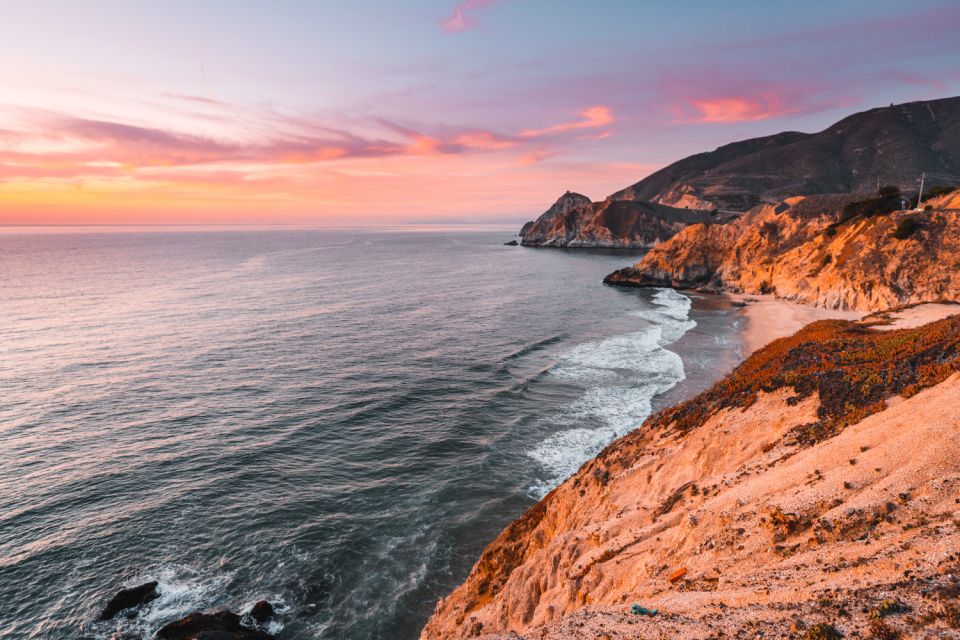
[(333, 112)]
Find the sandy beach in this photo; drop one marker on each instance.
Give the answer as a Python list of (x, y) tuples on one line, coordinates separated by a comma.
[(769, 318)]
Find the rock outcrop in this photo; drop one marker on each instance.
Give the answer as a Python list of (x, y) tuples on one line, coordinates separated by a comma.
[(815, 488), (889, 145), (801, 250), (220, 625), (892, 145), (130, 598), (574, 221)]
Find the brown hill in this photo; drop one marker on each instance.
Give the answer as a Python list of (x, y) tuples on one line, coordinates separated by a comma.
[(892, 145), (574, 221), (811, 493), (800, 250)]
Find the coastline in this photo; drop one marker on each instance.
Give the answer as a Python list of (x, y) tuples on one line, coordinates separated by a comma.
[(769, 318), (734, 491)]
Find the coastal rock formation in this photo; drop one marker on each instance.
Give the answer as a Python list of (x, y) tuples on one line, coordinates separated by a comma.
[(221, 625), (812, 492), (262, 612), (889, 145), (129, 599), (574, 221), (802, 249)]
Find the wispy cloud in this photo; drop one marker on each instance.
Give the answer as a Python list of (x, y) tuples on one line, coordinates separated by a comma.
[(592, 118), (740, 108), (56, 145), (463, 17), (716, 97)]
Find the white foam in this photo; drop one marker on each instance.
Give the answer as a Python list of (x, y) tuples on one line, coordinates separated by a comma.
[(623, 374), (182, 590), (670, 314), (280, 607)]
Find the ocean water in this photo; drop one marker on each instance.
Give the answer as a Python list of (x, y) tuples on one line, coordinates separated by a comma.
[(334, 420)]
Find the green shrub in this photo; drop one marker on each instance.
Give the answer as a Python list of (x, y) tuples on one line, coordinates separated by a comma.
[(938, 191), (888, 191), (823, 632), (907, 227)]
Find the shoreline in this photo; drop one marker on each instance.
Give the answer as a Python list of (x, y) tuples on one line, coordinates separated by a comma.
[(769, 318)]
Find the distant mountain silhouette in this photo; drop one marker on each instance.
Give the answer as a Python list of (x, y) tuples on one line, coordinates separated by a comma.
[(892, 145)]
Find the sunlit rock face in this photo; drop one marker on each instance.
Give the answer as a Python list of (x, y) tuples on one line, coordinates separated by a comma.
[(802, 250), (811, 486), (575, 221)]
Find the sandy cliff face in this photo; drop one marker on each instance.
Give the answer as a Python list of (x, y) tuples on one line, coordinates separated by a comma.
[(817, 485), (574, 221), (797, 251)]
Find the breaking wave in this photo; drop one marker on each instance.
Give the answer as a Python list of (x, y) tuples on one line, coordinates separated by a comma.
[(622, 375)]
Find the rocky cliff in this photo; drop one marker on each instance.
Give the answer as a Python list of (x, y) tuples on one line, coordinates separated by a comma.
[(892, 145), (802, 249), (575, 221), (811, 493), (889, 145)]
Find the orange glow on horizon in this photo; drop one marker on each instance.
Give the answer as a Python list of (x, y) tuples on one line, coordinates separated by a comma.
[(57, 169)]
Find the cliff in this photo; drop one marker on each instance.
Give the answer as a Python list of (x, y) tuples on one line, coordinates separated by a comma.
[(892, 145), (575, 221), (812, 492), (805, 250), (888, 145)]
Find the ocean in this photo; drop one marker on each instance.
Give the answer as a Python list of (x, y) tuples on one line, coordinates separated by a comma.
[(334, 420)]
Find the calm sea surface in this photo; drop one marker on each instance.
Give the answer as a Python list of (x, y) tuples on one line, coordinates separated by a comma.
[(337, 421)]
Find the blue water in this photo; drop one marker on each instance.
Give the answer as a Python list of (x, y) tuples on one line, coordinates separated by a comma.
[(334, 420)]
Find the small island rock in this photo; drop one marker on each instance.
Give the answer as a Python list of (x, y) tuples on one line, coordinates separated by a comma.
[(220, 625), (130, 598)]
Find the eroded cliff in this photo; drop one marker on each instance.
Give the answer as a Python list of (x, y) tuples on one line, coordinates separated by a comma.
[(816, 488), (574, 221), (803, 250)]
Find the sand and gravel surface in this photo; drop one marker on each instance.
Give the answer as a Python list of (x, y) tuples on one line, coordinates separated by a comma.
[(769, 318)]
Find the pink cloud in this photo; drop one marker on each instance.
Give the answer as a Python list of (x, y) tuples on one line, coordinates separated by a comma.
[(594, 117), (462, 17), (921, 80), (713, 97), (60, 146), (740, 108)]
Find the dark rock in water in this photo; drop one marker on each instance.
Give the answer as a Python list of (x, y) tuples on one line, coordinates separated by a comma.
[(512, 243), (129, 599), (221, 625), (262, 611)]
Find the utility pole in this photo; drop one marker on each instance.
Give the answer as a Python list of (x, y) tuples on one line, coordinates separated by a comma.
[(920, 195)]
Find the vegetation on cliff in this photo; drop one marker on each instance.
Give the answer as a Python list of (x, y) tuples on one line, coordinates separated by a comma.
[(748, 509), (843, 252), (891, 144), (851, 367)]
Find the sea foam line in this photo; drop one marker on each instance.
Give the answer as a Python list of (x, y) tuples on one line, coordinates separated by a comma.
[(623, 374)]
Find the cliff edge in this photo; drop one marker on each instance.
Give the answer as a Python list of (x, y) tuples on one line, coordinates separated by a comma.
[(574, 221), (811, 493), (829, 251)]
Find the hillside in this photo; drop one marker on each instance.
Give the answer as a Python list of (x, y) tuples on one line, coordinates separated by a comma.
[(574, 221), (811, 493), (800, 250), (892, 145)]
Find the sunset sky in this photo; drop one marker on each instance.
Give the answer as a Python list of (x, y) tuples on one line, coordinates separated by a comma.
[(362, 112)]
